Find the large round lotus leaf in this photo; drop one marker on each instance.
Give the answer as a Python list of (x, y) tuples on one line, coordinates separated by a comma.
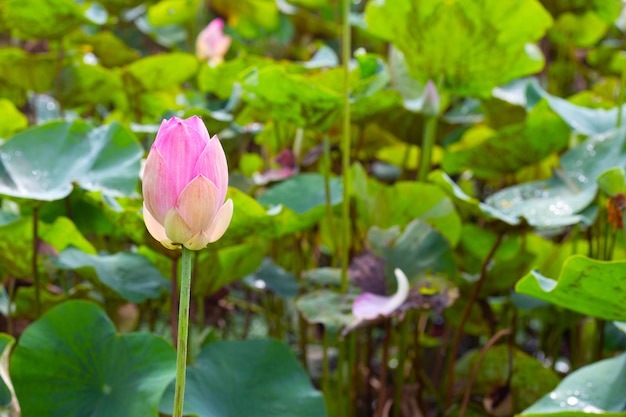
[(471, 45), (587, 286), (70, 363), (598, 388), (44, 162), (252, 378)]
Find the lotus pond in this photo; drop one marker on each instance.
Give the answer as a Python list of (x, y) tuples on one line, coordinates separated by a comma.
[(422, 211)]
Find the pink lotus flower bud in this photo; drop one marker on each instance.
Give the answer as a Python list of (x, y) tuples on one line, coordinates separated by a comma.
[(184, 186), (431, 100), (212, 44)]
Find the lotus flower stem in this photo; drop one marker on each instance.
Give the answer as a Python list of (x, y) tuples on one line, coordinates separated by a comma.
[(384, 367), (398, 382), (481, 357), (174, 299), (327, 171), (350, 396), (428, 141), (466, 313), (346, 45), (183, 333), (34, 261)]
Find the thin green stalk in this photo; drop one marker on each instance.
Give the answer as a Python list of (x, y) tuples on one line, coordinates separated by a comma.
[(183, 333), (345, 143), (325, 363), (351, 375), (35, 270), (369, 348), (384, 367), (428, 142), (398, 380), (327, 171), (481, 357), (466, 313), (10, 327), (341, 378), (174, 300)]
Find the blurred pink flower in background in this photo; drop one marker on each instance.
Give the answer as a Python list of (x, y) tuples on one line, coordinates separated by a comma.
[(212, 44), (369, 306), (184, 186)]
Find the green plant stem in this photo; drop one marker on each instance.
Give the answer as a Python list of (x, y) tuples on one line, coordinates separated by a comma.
[(346, 143), (466, 313), (174, 299), (183, 333), (428, 142), (398, 381), (35, 270), (327, 171), (384, 367), (483, 352), (325, 364), (351, 375)]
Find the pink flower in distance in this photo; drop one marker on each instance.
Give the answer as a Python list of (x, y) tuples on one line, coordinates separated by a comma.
[(370, 306), (184, 186), (212, 44)]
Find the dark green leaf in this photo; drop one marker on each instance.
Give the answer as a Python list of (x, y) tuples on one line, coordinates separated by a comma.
[(512, 147), (71, 363), (328, 308), (252, 378), (85, 84), (129, 274), (275, 279), (302, 193), (419, 249)]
